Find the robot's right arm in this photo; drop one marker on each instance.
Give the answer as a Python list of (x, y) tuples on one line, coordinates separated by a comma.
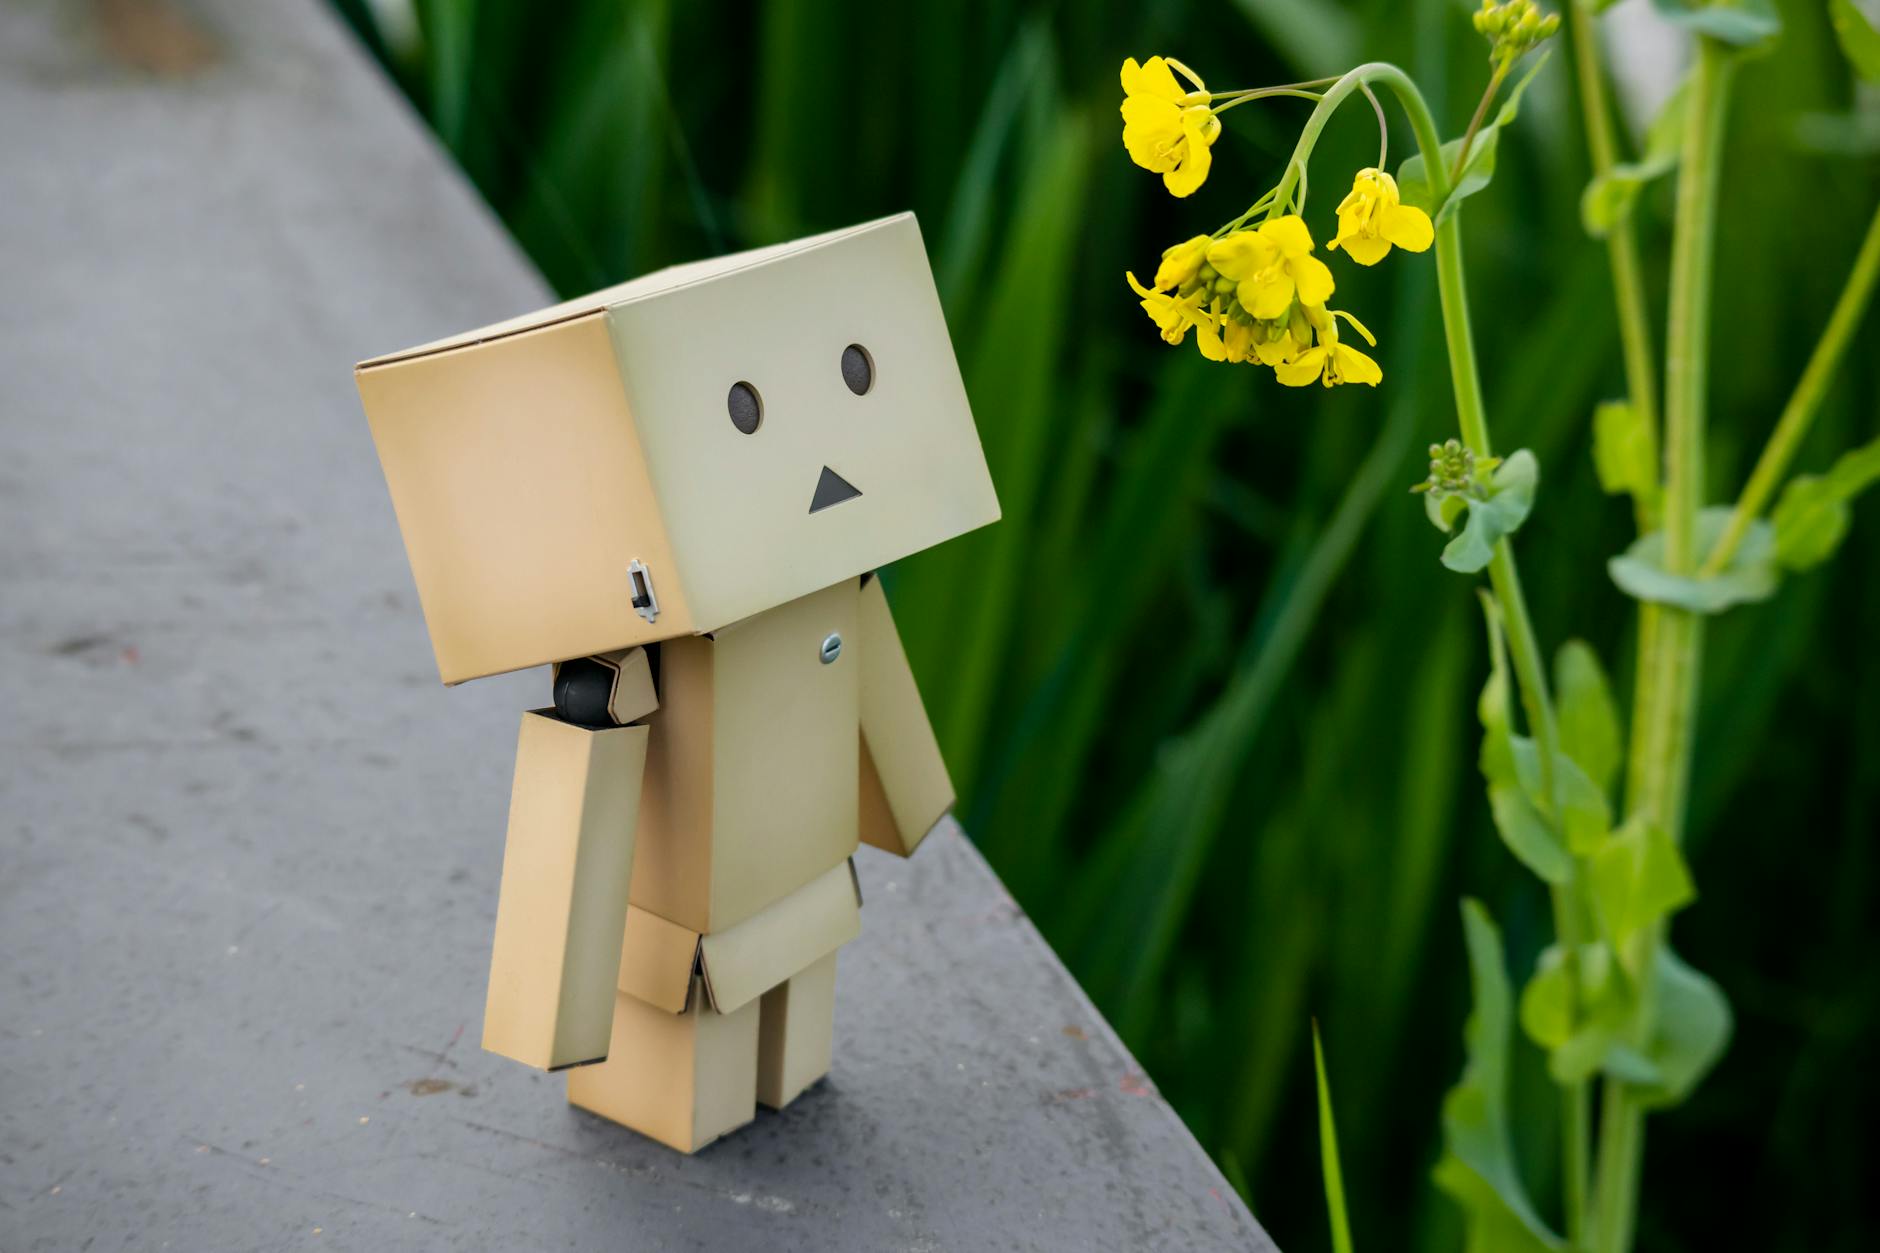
[(567, 864)]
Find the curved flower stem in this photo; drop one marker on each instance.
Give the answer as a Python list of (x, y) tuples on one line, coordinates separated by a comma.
[(1421, 123), (1267, 93), (1255, 91), (1799, 414), (1383, 127), (1659, 768), (1481, 111), (1504, 579)]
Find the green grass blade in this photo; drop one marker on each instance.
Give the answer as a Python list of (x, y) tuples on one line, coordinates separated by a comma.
[(1328, 1152)]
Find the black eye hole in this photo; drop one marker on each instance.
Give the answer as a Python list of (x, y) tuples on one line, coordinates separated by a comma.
[(858, 369), (745, 406)]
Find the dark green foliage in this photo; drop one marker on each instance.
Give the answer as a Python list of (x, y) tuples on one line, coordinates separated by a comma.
[(1209, 700)]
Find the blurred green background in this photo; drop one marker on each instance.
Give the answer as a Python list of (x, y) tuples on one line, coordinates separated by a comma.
[(1206, 693)]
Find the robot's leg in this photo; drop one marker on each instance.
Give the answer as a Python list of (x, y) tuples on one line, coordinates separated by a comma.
[(797, 1025), (684, 1079)]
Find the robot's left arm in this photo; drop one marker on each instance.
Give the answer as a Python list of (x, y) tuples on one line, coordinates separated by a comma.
[(905, 789), (568, 863)]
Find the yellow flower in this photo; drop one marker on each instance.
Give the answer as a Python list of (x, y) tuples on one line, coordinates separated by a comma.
[(1166, 129), (1330, 361), (1372, 218), (1181, 263), (1271, 264), (1224, 337), (1282, 341), (1172, 315)]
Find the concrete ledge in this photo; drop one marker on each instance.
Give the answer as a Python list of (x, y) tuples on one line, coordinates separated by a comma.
[(249, 847)]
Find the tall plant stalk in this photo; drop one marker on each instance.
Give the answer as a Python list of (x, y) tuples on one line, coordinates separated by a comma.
[(1661, 742)]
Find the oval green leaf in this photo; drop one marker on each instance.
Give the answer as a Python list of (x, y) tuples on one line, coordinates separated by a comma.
[(1750, 576)]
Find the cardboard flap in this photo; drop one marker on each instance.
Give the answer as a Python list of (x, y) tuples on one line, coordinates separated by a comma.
[(745, 961), (657, 959)]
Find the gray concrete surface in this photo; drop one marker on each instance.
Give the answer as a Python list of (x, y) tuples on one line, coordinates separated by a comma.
[(249, 846)]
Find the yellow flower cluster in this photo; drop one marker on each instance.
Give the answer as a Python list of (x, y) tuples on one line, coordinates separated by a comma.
[(1258, 296), (1255, 294)]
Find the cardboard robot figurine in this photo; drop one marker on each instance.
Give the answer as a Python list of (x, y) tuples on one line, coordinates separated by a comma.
[(675, 491)]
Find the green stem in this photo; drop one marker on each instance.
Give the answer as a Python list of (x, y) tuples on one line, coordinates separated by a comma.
[(1628, 283), (1530, 671), (1635, 336), (1475, 123), (1422, 125), (1661, 743), (1799, 414), (1267, 94)]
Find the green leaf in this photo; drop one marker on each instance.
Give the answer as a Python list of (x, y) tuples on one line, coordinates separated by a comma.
[(1527, 834), (1812, 516), (1637, 878), (1694, 1025), (1510, 764), (1860, 42), (1413, 182), (1328, 1153), (1511, 497), (1497, 757), (1623, 453), (1810, 522), (1589, 718), (1584, 815), (1750, 576), (1583, 1038), (1731, 21), (1443, 511), (1478, 1167), (1547, 1008), (1610, 196)]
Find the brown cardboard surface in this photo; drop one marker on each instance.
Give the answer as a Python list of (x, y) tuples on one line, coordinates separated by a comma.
[(657, 961), (762, 951), (795, 1033), (659, 958), (683, 1079), (752, 778), (555, 960), (784, 788), (904, 788), (522, 491), (633, 696)]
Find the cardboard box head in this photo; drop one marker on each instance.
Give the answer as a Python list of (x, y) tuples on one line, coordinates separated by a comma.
[(680, 452)]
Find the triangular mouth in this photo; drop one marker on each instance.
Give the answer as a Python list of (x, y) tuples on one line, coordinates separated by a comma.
[(832, 489)]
